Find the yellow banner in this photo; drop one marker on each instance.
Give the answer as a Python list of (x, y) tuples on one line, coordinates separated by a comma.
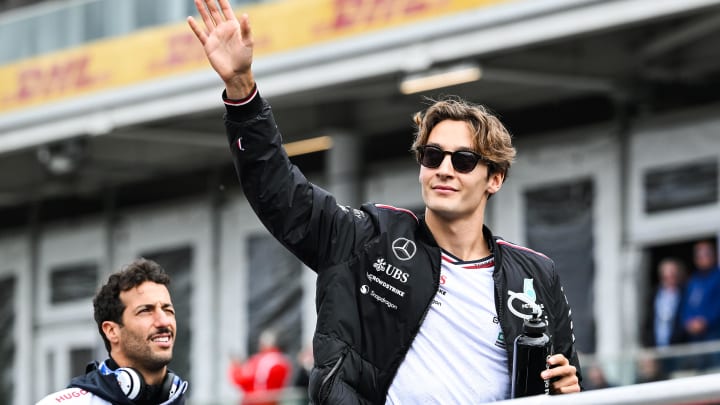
[(161, 52)]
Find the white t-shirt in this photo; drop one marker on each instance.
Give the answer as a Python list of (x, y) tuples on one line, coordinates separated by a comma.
[(458, 356)]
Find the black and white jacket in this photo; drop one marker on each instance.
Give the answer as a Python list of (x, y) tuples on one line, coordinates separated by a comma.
[(378, 267)]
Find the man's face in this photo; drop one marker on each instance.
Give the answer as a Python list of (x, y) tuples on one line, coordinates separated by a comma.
[(448, 193), (148, 333), (669, 275), (704, 256)]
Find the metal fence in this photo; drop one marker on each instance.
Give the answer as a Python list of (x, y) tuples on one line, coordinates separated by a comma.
[(697, 390)]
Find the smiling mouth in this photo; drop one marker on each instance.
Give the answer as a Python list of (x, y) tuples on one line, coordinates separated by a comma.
[(162, 339), (443, 188)]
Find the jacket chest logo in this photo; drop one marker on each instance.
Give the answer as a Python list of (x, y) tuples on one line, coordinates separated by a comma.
[(381, 265), (380, 288), (528, 288), (404, 249)]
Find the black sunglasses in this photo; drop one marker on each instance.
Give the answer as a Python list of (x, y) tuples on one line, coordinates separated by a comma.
[(464, 161)]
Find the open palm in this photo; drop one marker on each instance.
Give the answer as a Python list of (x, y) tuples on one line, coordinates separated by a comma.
[(227, 42)]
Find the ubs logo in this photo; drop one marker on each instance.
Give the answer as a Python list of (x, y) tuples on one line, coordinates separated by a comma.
[(404, 249), (392, 271)]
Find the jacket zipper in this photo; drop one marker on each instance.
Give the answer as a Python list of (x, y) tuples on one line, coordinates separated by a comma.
[(327, 380), (500, 288)]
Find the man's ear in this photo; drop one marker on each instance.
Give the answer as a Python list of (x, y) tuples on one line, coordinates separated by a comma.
[(495, 182), (111, 331)]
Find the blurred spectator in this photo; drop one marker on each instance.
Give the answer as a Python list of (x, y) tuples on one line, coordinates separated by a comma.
[(701, 309), (595, 378), (305, 364), (649, 369), (264, 375), (665, 327), (301, 377)]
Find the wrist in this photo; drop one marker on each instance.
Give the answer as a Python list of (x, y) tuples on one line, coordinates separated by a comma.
[(240, 87), (240, 101)]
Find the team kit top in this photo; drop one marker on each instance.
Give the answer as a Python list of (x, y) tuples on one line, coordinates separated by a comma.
[(461, 330)]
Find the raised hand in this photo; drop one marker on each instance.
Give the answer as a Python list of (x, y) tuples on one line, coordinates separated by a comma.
[(228, 45)]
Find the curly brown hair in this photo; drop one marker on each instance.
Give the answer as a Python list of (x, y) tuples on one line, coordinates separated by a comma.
[(107, 303), (491, 139)]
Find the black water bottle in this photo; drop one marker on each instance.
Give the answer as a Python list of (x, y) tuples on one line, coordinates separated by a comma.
[(532, 349)]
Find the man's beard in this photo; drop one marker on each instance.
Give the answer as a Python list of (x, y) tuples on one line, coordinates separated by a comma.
[(139, 352), (154, 362)]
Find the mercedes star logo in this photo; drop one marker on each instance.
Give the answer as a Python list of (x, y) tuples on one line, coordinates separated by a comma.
[(404, 249)]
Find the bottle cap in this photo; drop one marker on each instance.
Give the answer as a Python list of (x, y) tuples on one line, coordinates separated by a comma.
[(534, 326)]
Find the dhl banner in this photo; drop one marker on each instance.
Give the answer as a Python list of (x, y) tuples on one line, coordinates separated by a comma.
[(171, 50)]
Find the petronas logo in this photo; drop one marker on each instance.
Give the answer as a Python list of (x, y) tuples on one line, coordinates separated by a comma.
[(500, 341), (528, 289)]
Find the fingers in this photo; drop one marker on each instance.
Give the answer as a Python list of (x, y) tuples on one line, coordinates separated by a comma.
[(569, 388), (212, 17), (207, 19), (558, 367), (210, 13), (558, 372), (563, 379), (214, 12), (245, 30), (562, 374), (557, 360), (199, 33), (227, 10)]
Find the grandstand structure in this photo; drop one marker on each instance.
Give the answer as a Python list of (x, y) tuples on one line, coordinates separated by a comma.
[(112, 146)]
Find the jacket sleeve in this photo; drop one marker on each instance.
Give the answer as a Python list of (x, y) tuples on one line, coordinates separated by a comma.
[(305, 218), (564, 339)]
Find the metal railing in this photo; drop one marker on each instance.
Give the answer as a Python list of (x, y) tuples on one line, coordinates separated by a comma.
[(681, 391), (698, 390)]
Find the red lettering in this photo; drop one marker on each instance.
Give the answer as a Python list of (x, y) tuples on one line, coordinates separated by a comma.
[(443, 278), (70, 395), (354, 13), (28, 80), (68, 75), (346, 13), (182, 48)]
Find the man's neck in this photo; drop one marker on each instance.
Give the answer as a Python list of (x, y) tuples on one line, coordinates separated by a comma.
[(150, 377), (463, 238)]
